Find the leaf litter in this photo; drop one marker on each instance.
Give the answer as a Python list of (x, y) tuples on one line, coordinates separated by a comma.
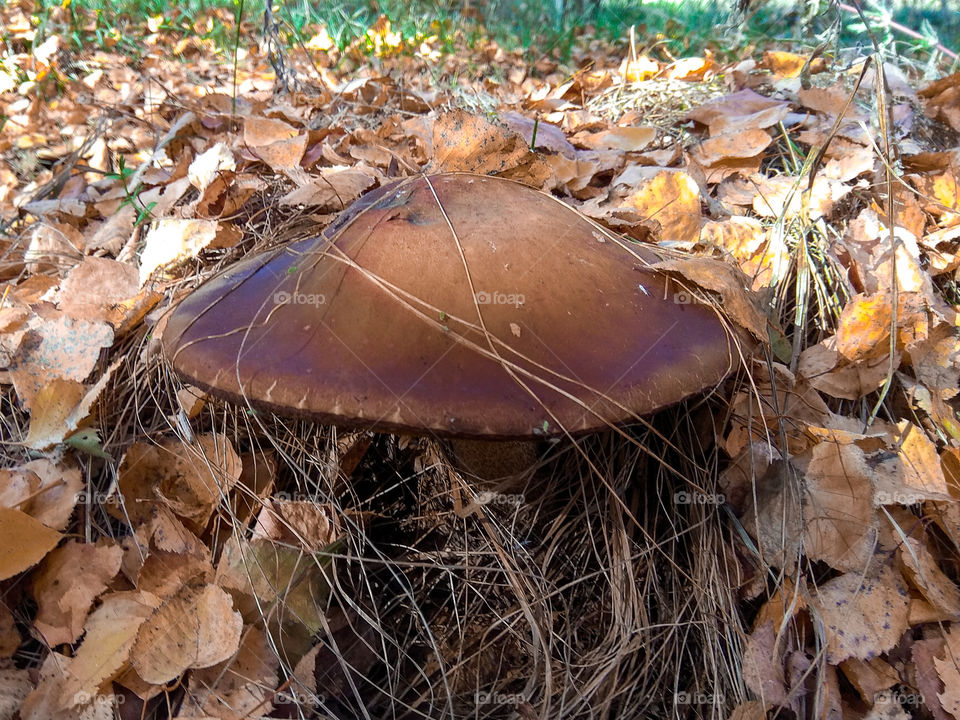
[(246, 561)]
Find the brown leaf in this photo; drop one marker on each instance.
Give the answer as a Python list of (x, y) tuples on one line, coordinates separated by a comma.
[(724, 279), (471, 143), (763, 665), (308, 525), (94, 287), (69, 580), (110, 631), (23, 542), (548, 136), (671, 197), (279, 145), (921, 570), (195, 628), (59, 347), (840, 525), (334, 189), (48, 491), (739, 111), (747, 144), (238, 688), (863, 615), (948, 667)]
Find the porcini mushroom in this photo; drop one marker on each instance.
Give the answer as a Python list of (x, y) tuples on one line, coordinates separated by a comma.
[(461, 305)]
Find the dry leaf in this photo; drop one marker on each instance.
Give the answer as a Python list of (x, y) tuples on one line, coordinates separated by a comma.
[(763, 665), (66, 584), (111, 631), (60, 347), (863, 615), (23, 542), (173, 240), (279, 145), (94, 287), (921, 570), (195, 628), (238, 688), (334, 189), (840, 524), (739, 111)]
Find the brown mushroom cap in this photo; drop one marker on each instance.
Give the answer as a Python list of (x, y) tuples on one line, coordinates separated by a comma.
[(458, 304)]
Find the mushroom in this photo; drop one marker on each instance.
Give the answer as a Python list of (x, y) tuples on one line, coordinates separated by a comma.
[(459, 305)]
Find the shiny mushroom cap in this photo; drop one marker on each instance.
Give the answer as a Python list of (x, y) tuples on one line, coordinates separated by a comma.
[(456, 304)]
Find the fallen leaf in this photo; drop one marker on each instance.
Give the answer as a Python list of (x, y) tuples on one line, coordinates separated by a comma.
[(110, 632), (23, 542), (237, 688), (863, 615), (60, 347), (763, 665), (334, 189), (278, 144), (921, 570), (196, 628), (172, 240), (840, 524), (66, 584)]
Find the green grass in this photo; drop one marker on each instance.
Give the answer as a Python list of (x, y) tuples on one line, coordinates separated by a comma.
[(556, 27)]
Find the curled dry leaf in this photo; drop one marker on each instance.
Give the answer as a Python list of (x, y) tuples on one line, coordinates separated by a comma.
[(190, 479), (830, 373), (195, 628), (947, 664), (44, 490), (173, 240), (739, 111), (333, 189), (738, 304), (278, 144)]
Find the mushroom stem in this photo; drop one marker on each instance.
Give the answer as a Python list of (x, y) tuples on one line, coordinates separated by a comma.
[(495, 459)]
